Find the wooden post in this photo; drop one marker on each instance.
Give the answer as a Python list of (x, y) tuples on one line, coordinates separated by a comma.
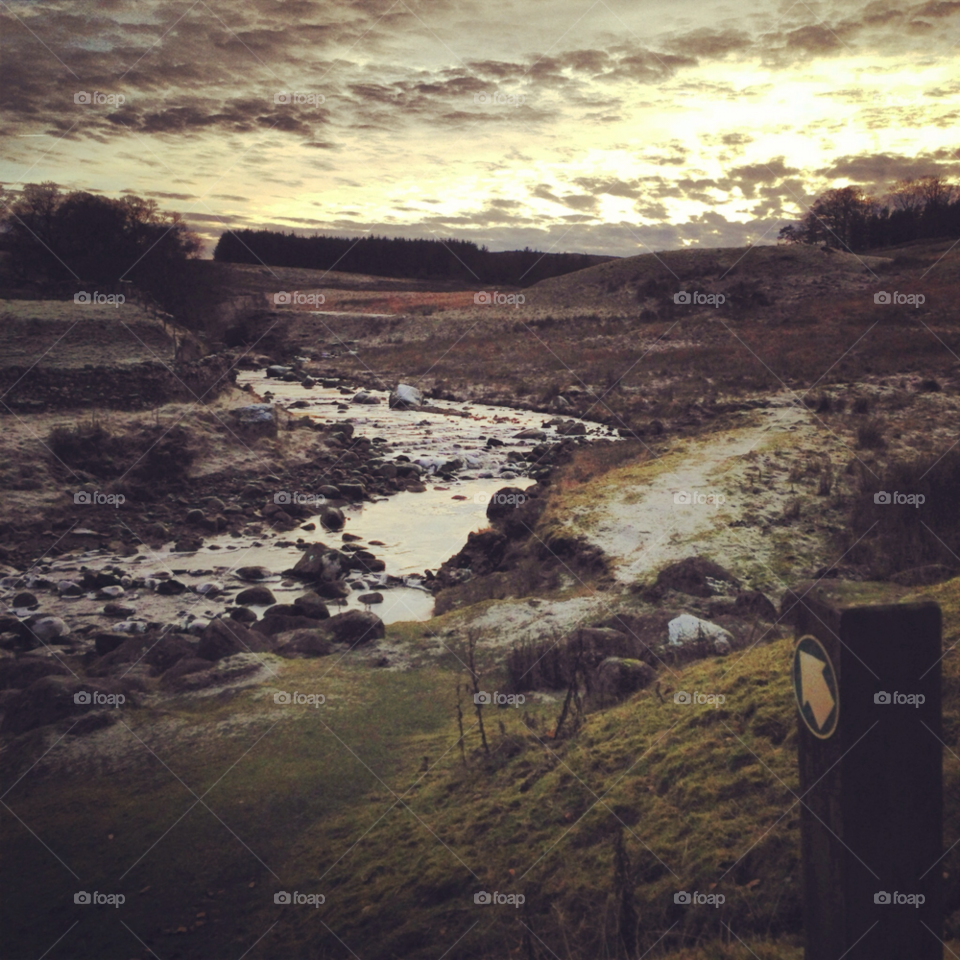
[(866, 675)]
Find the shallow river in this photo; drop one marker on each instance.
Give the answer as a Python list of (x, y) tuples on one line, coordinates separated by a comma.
[(410, 532)]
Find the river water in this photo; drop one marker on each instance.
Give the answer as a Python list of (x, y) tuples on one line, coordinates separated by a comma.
[(410, 532)]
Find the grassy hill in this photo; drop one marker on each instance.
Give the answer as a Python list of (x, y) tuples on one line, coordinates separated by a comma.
[(201, 811)]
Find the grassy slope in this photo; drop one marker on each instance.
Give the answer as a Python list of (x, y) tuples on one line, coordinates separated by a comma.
[(704, 795)]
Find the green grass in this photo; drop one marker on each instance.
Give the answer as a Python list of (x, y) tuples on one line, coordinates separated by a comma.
[(704, 798)]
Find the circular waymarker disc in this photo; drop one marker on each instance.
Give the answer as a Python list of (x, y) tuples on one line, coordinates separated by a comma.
[(815, 687)]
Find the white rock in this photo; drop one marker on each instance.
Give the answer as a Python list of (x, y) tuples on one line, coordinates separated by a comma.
[(112, 592), (69, 587), (210, 588), (131, 626), (49, 628), (687, 628)]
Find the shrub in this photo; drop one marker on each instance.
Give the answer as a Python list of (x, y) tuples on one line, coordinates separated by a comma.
[(870, 436)]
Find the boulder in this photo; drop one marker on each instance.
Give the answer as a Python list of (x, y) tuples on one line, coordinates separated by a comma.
[(68, 588), (25, 601), (310, 605), (332, 589), (253, 574), (571, 429), (688, 630), (405, 397), (270, 626), (332, 517), (256, 596), (370, 598), (48, 629), (256, 420), (752, 603), (352, 491), (224, 638), (297, 644), (119, 610), (354, 627), (695, 576), (320, 562), (243, 615), (617, 677)]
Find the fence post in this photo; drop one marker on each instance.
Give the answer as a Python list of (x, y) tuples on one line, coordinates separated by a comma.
[(866, 677)]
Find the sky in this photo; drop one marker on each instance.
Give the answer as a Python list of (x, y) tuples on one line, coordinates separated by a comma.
[(601, 126)]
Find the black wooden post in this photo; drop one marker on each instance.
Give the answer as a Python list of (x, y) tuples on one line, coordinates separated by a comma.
[(866, 675)]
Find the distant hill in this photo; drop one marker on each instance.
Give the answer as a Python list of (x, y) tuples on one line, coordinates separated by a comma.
[(770, 277), (459, 260)]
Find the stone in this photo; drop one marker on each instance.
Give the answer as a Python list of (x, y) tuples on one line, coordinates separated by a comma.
[(618, 677), (332, 518), (256, 596), (48, 629), (354, 627), (688, 629), (25, 601), (370, 598), (252, 574), (297, 644), (695, 576), (405, 397), (68, 588), (224, 638)]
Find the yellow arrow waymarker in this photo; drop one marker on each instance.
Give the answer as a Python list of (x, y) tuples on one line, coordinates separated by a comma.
[(816, 693), (815, 687)]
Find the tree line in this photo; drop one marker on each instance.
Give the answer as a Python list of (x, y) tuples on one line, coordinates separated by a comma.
[(848, 218), (460, 260), (74, 240)]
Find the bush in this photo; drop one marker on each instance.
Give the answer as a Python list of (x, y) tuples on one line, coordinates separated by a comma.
[(890, 536), (870, 436)]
